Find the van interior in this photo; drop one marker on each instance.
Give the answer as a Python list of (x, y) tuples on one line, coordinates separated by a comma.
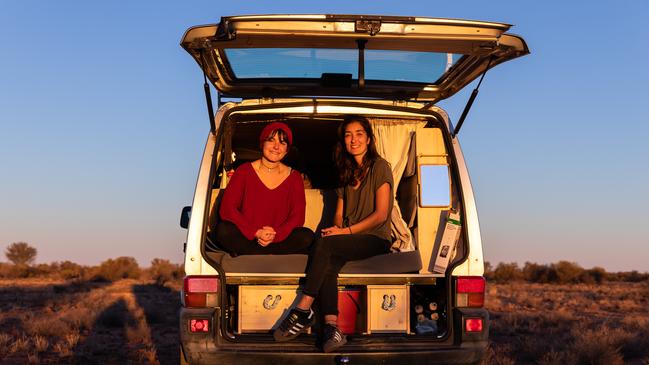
[(407, 144)]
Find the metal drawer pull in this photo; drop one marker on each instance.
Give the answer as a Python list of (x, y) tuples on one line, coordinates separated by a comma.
[(267, 301), (389, 302)]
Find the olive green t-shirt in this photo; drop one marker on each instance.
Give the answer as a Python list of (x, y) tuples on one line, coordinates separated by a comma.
[(360, 202)]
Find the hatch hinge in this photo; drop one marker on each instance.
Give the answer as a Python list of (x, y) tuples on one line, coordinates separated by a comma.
[(469, 103), (225, 31), (368, 26), (266, 100)]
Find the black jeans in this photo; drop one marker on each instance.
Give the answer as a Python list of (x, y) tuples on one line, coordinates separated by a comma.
[(235, 243), (328, 256)]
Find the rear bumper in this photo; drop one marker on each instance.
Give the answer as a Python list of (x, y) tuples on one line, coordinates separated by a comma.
[(211, 348), (461, 355)]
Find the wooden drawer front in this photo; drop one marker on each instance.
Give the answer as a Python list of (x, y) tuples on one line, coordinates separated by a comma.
[(261, 306), (387, 308)]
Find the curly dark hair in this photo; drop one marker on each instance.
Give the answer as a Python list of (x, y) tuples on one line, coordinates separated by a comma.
[(350, 172)]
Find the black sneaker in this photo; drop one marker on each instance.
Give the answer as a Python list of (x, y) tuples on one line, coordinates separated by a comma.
[(333, 338), (296, 322)]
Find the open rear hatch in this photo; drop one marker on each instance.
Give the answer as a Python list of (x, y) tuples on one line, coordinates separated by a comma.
[(386, 57)]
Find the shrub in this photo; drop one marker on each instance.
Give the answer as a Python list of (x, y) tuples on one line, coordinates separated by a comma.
[(488, 270), (595, 275), (507, 272), (537, 273), (632, 276), (70, 270), (595, 347), (163, 271), (567, 272), (119, 268)]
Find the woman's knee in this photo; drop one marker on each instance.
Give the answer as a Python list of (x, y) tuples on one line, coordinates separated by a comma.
[(303, 236), (224, 230), (321, 247)]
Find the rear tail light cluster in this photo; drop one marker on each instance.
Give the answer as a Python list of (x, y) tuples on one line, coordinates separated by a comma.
[(473, 324), (200, 291), (470, 291), (199, 325)]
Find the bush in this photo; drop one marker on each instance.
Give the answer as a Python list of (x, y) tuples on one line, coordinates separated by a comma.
[(163, 271), (568, 272), (69, 270), (119, 268), (488, 270), (630, 276), (595, 275), (21, 253), (507, 272), (535, 273), (16, 271)]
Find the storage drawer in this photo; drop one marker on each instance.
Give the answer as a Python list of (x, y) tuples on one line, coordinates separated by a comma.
[(388, 308), (261, 306)]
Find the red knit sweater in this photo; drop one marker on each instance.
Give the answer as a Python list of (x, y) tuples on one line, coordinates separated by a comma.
[(250, 205)]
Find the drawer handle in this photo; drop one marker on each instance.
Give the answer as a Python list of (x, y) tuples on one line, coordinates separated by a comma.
[(389, 302), (267, 301)]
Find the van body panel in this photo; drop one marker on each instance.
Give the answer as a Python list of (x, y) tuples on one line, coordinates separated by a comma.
[(193, 258), (474, 264)]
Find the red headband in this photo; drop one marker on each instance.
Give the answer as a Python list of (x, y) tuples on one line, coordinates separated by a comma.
[(270, 128)]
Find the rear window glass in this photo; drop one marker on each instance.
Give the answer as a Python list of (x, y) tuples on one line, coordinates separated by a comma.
[(384, 65)]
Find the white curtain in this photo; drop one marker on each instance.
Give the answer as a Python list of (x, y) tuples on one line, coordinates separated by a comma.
[(393, 139)]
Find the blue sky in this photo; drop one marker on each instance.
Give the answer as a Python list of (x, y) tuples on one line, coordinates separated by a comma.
[(102, 124)]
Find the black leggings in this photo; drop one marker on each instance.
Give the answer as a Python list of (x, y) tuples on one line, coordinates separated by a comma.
[(230, 238), (328, 256)]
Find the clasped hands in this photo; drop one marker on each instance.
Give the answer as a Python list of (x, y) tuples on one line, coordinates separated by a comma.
[(265, 235)]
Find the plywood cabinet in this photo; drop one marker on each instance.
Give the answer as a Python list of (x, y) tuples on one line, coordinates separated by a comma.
[(262, 306), (388, 308)]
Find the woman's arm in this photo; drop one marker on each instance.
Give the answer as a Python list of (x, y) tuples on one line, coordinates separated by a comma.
[(338, 216), (231, 201)]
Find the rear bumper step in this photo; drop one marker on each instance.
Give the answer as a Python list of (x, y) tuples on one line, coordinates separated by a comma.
[(459, 355)]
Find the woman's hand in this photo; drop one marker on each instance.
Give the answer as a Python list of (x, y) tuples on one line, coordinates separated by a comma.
[(334, 231), (265, 235)]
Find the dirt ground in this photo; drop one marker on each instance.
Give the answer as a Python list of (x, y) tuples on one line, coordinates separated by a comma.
[(135, 322)]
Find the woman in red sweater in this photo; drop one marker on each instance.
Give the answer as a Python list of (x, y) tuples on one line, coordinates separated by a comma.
[(262, 209)]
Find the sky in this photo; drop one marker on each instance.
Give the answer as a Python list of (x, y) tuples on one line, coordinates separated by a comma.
[(103, 123)]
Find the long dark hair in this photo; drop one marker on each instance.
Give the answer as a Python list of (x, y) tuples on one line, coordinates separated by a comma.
[(349, 172)]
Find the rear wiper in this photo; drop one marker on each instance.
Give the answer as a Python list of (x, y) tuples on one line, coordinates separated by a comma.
[(474, 93)]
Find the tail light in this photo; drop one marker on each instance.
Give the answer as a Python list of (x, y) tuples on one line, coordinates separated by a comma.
[(200, 291), (199, 325), (470, 291), (473, 324)]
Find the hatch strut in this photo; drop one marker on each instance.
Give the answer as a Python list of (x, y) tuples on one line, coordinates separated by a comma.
[(361, 63), (471, 99), (208, 94)]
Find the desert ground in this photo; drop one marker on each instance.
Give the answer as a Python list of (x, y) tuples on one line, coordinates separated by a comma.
[(134, 322)]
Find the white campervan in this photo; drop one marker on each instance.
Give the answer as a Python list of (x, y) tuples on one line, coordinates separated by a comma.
[(421, 303)]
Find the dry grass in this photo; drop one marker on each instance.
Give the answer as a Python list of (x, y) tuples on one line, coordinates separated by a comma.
[(569, 324), (129, 321), (45, 321)]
